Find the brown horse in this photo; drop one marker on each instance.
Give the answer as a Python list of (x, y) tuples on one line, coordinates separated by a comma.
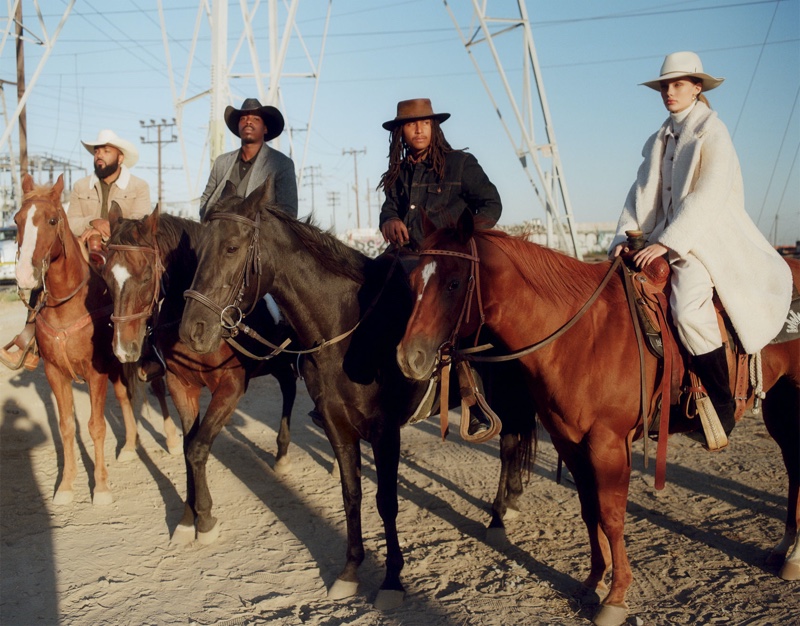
[(153, 259), (586, 383), (72, 332)]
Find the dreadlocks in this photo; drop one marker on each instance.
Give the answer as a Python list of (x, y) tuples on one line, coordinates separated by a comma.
[(399, 151)]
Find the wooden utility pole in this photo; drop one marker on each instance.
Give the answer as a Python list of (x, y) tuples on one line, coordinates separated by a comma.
[(23, 123), (355, 152), (160, 140)]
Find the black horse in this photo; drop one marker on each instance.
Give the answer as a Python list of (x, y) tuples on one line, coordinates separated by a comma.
[(154, 258), (351, 311)]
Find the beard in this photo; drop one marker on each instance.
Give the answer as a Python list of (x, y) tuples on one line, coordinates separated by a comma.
[(106, 170)]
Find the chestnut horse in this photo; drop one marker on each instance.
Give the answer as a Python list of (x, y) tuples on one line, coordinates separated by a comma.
[(586, 383), (73, 333), (349, 312), (158, 252)]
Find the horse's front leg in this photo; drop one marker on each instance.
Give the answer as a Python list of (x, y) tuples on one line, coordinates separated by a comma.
[(98, 387), (387, 460), (288, 383), (509, 489), (174, 445), (348, 457), (61, 384), (123, 395)]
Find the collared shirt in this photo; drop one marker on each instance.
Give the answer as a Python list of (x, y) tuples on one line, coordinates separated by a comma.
[(241, 173)]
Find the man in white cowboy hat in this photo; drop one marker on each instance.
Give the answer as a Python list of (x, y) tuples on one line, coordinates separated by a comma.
[(251, 164), (111, 181)]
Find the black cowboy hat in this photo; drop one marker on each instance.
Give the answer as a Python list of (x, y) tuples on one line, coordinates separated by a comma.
[(271, 116)]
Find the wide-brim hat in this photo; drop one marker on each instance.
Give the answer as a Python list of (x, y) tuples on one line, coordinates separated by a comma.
[(411, 110), (251, 106), (109, 138), (680, 64)]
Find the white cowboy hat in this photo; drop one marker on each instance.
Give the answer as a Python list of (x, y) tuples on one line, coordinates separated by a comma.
[(109, 138), (679, 64)]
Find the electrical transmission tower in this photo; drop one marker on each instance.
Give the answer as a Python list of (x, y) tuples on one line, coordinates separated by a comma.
[(265, 82), (541, 161)]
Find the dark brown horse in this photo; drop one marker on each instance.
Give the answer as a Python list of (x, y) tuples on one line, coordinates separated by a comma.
[(349, 312), (72, 332), (586, 383), (154, 258)]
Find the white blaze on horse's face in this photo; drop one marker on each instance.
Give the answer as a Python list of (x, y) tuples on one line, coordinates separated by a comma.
[(24, 270), (427, 273), (120, 274)]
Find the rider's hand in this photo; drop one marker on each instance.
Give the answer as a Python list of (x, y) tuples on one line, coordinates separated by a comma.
[(394, 231), (103, 227), (648, 254), (618, 249)]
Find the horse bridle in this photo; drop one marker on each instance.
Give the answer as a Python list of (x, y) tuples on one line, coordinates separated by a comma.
[(251, 265), (158, 268)]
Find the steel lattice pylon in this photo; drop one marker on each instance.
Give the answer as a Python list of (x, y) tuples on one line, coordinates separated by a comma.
[(541, 162)]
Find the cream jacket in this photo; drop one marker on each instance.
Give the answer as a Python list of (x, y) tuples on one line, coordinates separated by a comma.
[(131, 193), (707, 219)]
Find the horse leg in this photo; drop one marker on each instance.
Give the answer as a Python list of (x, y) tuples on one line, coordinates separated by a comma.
[(61, 385), (609, 458), (781, 411), (387, 460), (288, 383), (98, 387), (223, 402), (187, 402), (174, 445), (123, 394), (348, 457), (509, 489)]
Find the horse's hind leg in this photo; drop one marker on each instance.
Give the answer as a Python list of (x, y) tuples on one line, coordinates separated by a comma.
[(288, 383), (62, 390), (123, 395), (782, 419), (508, 490), (174, 444)]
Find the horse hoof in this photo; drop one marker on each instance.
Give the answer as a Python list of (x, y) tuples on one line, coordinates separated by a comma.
[(126, 455), (282, 465), (790, 571), (511, 514), (102, 498), (63, 497), (176, 450), (610, 615), (389, 599), (496, 537), (342, 589), (183, 535), (207, 538)]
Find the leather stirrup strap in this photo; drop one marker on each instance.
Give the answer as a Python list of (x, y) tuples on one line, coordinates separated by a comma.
[(666, 395), (444, 399)]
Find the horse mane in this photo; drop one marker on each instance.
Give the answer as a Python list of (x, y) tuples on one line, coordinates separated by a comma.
[(334, 255), (551, 273), (171, 230)]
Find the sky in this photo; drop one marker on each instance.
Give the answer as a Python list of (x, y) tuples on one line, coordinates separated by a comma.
[(110, 68)]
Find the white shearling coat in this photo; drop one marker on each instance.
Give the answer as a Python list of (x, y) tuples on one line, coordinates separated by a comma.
[(708, 219)]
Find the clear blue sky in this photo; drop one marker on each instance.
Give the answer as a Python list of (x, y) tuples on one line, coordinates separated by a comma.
[(109, 70)]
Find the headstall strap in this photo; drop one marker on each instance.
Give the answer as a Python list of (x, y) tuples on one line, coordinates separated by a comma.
[(159, 269)]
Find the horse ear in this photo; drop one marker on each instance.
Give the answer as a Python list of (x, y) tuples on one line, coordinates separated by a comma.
[(465, 226), (114, 214), (27, 183), (228, 191), (265, 193), (153, 219), (428, 227), (58, 188)]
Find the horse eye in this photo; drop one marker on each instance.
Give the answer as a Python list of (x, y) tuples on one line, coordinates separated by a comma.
[(53, 221), (232, 249), (454, 285)]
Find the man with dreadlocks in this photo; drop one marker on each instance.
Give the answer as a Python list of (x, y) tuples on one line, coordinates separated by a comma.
[(427, 175)]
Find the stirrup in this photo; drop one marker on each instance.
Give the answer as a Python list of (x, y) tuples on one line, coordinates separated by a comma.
[(712, 435), (25, 354)]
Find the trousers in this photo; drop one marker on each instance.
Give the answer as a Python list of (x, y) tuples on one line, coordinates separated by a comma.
[(692, 307)]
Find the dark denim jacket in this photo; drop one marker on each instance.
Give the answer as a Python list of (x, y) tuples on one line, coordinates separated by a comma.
[(465, 185)]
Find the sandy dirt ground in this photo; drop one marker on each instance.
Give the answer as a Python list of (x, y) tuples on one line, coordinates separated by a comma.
[(698, 548)]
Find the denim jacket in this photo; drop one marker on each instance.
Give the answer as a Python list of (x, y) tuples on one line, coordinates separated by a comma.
[(417, 188)]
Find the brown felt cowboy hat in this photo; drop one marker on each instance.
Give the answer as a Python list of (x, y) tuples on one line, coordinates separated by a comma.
[(680, 64), (271, 116), (410, 110)]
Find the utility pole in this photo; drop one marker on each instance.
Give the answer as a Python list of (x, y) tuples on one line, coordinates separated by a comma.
[(333, 200), (22, 119), (355, 152), (172, 138), (313, 173)]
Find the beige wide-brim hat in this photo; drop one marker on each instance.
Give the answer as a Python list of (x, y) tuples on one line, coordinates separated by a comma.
[(680, 64), (411, 110), (109, 138)]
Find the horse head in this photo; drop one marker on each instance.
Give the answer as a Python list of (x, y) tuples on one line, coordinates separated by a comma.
[(133, 274), (42, 231), (228, 280), (443, 285)]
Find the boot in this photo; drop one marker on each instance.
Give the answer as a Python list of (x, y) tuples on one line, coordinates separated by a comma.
[(151, 365), (470, 382), (26, 353), (712, 369)]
